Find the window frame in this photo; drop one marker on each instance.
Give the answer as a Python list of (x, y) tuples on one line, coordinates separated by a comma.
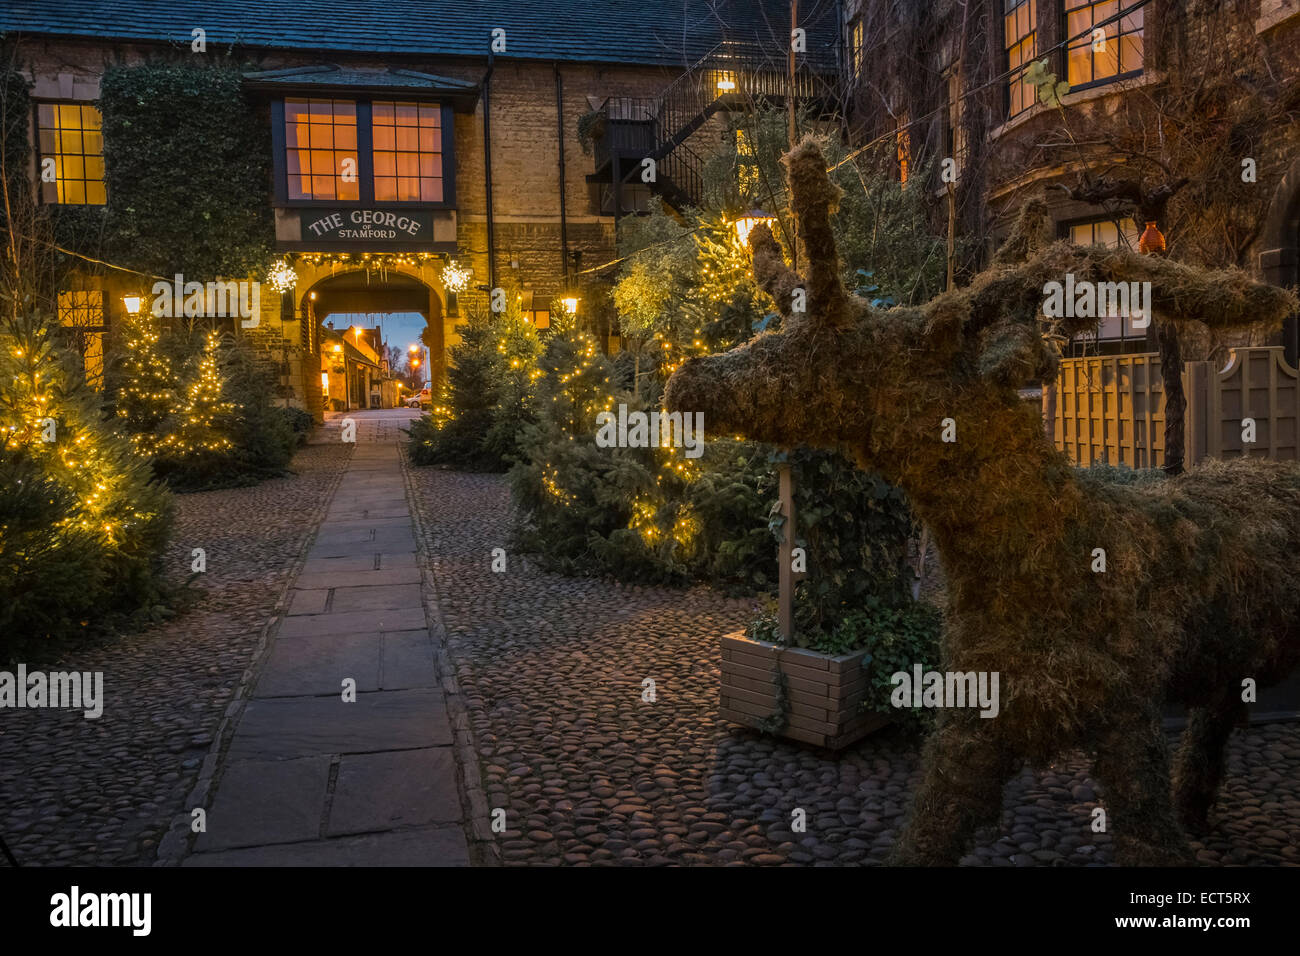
[(1019, 76), (1133, 7), (365, 154), (40, 155), (1123, 344)]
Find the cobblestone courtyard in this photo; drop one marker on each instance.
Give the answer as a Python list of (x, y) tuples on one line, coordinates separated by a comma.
[(552, 670)]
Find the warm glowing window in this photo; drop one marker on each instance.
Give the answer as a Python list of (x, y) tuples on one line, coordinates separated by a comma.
[(1102, 43), (82, 312), (903, 142), (321, 146), (407, 152), (855, 46), (1104, 233), (1020, 40), (70, 135)]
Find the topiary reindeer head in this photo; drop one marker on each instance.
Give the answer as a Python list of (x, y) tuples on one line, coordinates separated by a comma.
[(879, 383)]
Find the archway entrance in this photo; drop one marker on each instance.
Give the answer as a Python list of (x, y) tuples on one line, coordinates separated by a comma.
[(365, 322)]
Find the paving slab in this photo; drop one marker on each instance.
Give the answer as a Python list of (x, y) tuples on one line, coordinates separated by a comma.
[(426, 846), (302, 726), (408, 661), (308, 602), (361, 577), (316, 666), (267, 801), (348, 622), (360, 561), (372, 597), (388, 790)]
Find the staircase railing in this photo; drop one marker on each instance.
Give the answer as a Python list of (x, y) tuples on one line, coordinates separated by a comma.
[(729, 75)]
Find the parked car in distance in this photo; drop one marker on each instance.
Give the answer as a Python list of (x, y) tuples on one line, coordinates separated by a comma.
[(421, 399)]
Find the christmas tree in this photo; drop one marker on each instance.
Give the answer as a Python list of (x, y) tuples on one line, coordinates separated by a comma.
[(197, 441), (82, 525), (147, 384)]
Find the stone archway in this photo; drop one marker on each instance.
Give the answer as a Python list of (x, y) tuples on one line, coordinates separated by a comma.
[(1279, 244), (323, 290)]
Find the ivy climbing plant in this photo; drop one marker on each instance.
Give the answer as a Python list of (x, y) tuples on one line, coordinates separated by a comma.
[(188, 170)]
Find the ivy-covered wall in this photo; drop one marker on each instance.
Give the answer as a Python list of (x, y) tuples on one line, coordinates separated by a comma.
[(188, 171)]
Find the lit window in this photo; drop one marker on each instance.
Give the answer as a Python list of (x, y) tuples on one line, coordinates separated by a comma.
[(1020, 40), (70, 135), (1099, 50), (321, 143), (1102, 232), (408, 152), (855, 46), (903, 142), (82, 313)]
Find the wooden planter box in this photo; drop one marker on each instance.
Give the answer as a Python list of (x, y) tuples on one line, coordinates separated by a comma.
[(824, 694)]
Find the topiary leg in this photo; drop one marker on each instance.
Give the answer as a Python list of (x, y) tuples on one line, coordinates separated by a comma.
[(966, 765), (1199, 764), (1132, 767)]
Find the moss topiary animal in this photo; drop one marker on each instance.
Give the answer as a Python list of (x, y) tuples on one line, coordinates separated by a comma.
[(1201, 587)]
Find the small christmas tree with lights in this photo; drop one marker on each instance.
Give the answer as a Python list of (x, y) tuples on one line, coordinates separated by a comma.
[(147, 383), (82, 525), (198, 438)]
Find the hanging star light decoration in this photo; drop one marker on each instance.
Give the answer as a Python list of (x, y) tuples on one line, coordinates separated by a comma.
[(282, 278), (455, 277)]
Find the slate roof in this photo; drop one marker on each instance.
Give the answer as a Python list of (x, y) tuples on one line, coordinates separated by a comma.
[(653, 32)]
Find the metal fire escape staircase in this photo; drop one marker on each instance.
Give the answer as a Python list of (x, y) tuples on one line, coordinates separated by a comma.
[(732, 76)]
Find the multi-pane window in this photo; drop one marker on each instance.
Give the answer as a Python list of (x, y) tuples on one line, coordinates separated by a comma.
[(1104, 40), (70, 136), (1020, 40), (1113, 331), (82, 314), (1103, 233), (407, 151), (321, 147), (856, 47)]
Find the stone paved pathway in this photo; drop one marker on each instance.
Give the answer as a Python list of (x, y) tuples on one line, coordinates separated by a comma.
[(102, 792), (551, 670), (308, 778)]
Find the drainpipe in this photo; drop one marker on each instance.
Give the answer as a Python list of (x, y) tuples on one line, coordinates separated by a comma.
[(487, 166), (559, 130)]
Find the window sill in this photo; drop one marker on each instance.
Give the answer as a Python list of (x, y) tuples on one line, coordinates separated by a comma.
[(1088, 95), (1283, 11)]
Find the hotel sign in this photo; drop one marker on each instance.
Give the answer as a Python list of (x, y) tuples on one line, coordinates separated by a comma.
[(362, 225)]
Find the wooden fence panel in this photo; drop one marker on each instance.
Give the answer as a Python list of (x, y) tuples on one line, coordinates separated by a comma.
[(1110, 408)]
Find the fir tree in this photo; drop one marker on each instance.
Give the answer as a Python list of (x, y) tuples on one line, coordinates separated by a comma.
[(147, 384), (82, 525), (198, 440)]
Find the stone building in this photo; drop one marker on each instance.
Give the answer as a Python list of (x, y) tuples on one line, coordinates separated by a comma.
[(412, 143), (1198, 98)]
